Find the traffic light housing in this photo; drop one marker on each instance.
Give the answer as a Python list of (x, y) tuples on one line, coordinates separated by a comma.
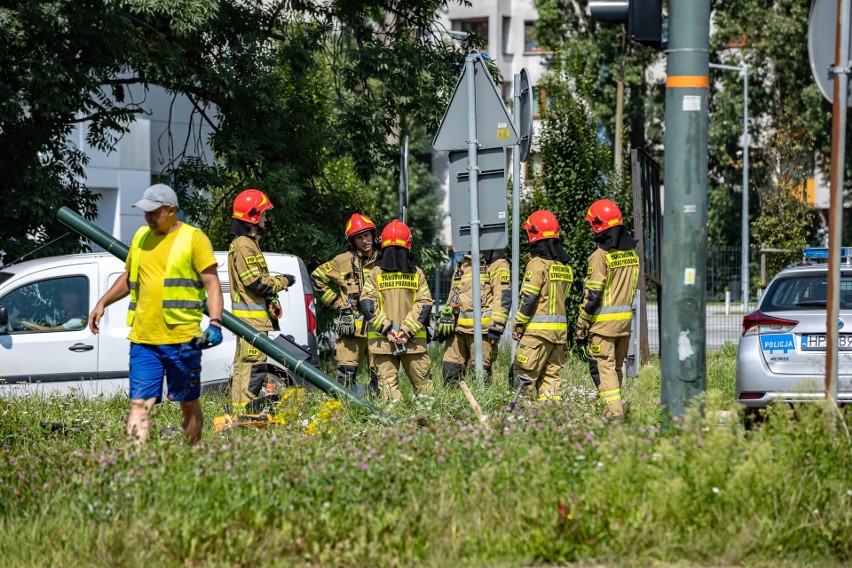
[(643, 18)]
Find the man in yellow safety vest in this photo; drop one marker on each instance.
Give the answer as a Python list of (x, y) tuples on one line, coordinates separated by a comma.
[(170, 274)]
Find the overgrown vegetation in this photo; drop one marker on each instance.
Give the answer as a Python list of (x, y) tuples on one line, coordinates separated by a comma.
[(555, 484)]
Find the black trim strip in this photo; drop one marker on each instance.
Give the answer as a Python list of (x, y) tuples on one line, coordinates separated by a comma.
[(60, 378)]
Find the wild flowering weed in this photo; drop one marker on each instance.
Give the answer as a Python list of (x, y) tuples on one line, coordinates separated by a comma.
[(554, 484)]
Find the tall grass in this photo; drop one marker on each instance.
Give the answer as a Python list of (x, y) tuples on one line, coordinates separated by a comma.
[(554, 483)]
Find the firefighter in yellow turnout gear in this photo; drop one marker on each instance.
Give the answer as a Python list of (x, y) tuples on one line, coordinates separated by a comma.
[(397, 304), (455, 323), (607, 308), (254, 292), (339, 284), (541, 324)]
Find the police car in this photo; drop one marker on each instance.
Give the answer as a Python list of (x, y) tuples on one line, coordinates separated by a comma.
[(782, 351)]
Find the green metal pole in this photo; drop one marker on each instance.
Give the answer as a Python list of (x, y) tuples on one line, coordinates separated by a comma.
[(684, 252), (229, 321)]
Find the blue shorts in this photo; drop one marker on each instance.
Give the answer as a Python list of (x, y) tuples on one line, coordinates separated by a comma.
[(180, 363)]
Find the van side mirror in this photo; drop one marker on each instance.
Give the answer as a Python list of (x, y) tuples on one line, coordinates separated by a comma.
[(4, 317)]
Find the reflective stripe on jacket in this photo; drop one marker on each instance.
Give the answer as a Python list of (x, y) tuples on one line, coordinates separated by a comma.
[(183, 291), (340, 281), (541, 307), (495, 294), (501, 293), (251, 284), (461, 293), (402, 300), (608, 291)]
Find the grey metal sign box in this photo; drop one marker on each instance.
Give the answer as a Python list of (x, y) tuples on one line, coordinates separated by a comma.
[(493, 200)]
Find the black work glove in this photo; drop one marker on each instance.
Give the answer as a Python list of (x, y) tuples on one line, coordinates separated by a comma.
[(494, 334), (384, 329), (346, 323), (273, 306), (583, 347)]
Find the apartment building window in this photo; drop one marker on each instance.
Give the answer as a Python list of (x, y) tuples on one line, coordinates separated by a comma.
[(540, 102), (478, 27), (531, 45), (507, 29)]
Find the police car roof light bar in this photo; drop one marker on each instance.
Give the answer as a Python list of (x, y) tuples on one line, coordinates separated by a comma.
[(821, 253)]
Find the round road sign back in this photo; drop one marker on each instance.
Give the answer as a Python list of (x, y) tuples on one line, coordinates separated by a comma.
[(526, 122), (822, 33)]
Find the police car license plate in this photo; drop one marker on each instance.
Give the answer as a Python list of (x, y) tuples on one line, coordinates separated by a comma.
[(817, 341)]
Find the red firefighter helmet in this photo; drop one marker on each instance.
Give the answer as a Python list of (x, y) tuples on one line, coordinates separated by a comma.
[(249, 205), (542, 225), (358, 224), (604, 214), (396, 234)]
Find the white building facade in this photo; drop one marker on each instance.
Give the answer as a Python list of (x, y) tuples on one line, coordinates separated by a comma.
[(167, 128)]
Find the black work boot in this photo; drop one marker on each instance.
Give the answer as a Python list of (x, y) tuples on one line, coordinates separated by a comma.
[(346, 375)]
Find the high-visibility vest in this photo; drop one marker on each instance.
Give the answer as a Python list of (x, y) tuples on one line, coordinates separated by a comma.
[(183, 291)]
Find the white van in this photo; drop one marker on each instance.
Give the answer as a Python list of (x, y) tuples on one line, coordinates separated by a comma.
[(46, 345)]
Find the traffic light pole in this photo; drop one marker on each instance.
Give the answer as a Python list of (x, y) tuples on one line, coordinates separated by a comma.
[(684, 251)]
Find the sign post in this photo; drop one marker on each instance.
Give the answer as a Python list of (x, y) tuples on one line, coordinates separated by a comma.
[(473, 176), (487, 126), (828, 50), (522, 114)]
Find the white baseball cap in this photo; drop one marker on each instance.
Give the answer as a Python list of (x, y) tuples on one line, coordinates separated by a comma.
[(157, 196)]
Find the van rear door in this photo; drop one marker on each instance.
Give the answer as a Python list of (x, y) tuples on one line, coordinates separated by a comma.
[(47, 345)]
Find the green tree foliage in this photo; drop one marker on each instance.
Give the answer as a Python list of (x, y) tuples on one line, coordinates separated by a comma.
[(786, 221), (783, 98), (302, 100), (57, 60)]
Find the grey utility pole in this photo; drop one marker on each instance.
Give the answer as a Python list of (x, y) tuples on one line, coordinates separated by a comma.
[(744, 215), (516, 209), (473, 176), (684, 252)]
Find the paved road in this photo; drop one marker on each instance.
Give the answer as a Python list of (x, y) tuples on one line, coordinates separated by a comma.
[(719, 327)]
